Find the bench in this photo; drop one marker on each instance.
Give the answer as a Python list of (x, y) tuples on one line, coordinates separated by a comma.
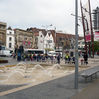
[(90, 73)]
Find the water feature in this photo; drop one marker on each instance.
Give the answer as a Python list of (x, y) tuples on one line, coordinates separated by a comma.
[(56, 66), (28, 73)]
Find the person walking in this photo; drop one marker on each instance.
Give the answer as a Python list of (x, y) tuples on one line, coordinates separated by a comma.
[(66, 58), (85, 58), (58, 58), (18, 55)]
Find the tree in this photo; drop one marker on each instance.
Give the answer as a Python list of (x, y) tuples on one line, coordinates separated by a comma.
[(96, 46)]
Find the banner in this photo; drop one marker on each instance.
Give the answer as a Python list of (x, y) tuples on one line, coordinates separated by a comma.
[(96, 35), (87, 25), (88, 36)]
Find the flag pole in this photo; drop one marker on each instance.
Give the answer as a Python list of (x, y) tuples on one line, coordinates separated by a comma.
[(92, 35), (83, 27)]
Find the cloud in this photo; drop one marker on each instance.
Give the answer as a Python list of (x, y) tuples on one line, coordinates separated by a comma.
[(30, 13)]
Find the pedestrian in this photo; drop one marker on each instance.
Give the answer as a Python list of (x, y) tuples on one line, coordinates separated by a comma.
[(51, 59), (73, 60), (85, 58), (58, 58), (66, 58), (18, 55), (34, 57), (69, 59)]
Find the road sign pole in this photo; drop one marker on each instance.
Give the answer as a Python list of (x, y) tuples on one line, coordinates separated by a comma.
[(76, 44)]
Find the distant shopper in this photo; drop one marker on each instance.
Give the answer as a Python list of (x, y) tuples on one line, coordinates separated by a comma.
[(58, 58), (69, 59), (18, 55), (85, 58), (66, 58), (73, 60)]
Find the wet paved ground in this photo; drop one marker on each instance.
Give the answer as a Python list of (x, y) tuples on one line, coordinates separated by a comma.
[(62, 88), (8, 87), (90, 92)]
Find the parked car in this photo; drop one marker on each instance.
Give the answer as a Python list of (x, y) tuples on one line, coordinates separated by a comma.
[(97, 53), (52, 53), (5, 53)]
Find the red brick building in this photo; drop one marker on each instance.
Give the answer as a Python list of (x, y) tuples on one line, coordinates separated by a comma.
[(62, 40)]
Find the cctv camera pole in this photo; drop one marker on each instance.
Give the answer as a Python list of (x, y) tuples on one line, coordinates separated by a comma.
[(76, 44)]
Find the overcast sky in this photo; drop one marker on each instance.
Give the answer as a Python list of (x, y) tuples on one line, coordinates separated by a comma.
[(37, 13)]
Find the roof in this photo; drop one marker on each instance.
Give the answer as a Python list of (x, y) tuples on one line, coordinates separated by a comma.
[(63, 35), (22, 30), (36, 31), (58, 34), (3, 23)]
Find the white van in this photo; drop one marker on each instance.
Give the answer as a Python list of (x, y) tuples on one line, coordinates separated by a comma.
[(5, 53), (52, 53)]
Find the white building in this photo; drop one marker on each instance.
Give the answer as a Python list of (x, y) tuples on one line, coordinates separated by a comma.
[(41, 40), (96, 35), (81, 44), (10, 39), (46, 40)]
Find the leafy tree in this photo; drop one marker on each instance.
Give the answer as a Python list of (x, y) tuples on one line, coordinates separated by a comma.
[(96, 46)]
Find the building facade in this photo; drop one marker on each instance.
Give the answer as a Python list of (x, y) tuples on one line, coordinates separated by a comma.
[(96, 18), (36, 32), (3, 33), (10, 39), (24, 38), (46, 41), (50, 39), (65, 41), (96, 23)]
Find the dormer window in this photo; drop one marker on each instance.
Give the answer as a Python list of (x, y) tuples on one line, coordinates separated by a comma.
[(10, 38), (10, 33)]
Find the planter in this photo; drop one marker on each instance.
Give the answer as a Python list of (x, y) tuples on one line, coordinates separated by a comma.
[(3, 61)]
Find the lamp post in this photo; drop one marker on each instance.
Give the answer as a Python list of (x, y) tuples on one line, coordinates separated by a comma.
[(76, 44)]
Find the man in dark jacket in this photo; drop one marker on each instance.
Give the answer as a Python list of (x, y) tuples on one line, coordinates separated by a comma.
[(85, 58), (58, 58)]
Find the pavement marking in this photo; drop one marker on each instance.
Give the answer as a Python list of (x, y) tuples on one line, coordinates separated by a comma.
[(26, 86), (16, 89)]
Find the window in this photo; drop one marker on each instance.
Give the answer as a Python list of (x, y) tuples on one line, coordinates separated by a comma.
[(49, 41), (83, 42), (30, 39), (10, 38), (60, 39), (25, 38), (78, 42), (10, 45), (10, 33), (78, 46)]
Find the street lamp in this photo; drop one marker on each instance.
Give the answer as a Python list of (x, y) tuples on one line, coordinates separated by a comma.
[(76, 44)]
